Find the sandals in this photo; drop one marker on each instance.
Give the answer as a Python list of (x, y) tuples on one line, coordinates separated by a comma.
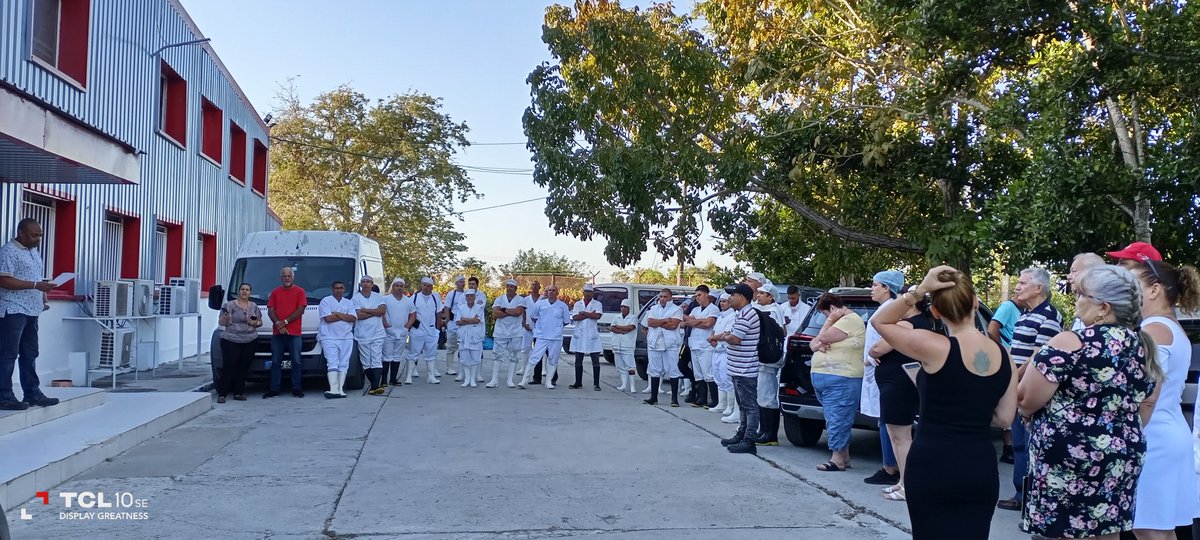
[(893, 487), (830, 466), (220, 399), (895, 495)]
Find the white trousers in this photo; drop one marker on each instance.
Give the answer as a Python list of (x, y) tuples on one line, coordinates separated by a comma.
[(423, 347), (544, 347), (394, 349), (768, 385), (370, 352), (702, 364), (624, 361), (664, 363), (470, 357), (507, 349), (337, 354), (721, 371), (451, 349)]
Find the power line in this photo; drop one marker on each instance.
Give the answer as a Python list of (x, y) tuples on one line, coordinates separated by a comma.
[(498, 144), (515, 171), (502, 205)]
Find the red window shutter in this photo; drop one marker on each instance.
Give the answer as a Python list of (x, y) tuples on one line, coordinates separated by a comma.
[(213, 126), (237, 152), (174, 252), (64, 242), (208, 261), (130, 247), (260, 168), (74, 28), (175, 107)]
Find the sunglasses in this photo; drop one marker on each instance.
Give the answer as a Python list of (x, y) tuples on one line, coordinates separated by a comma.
[(1150, 264)]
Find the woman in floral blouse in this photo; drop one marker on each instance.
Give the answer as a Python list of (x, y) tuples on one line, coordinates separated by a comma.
[(1088, 396)]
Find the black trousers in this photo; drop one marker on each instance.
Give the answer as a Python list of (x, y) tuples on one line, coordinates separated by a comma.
[(236, 358)]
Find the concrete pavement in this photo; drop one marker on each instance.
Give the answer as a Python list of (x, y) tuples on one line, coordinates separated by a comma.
[(439, 461)]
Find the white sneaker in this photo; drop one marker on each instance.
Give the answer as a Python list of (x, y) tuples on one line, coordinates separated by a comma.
[(490, 384)]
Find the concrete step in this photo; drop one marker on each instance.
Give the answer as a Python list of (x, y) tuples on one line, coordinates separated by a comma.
[(39, 458), (71, 400)]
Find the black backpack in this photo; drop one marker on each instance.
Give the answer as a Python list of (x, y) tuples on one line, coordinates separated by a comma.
[(770, 339)]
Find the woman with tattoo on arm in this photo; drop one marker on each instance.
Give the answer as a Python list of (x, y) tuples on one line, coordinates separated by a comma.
[(967, 385)]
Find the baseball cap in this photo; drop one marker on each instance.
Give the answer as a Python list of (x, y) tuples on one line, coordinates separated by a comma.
[(1137, 251)]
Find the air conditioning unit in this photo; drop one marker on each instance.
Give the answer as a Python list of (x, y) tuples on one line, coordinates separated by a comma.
[(116, 347), (191, 288), (113, 299), (172, 300), (143, 298)]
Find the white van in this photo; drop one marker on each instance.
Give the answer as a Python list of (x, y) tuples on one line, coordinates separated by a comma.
[(610, 296), (318, 258)]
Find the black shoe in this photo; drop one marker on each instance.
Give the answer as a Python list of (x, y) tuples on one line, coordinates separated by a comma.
[(239, 397), (575, 386), (220, 399), (271, 394), (394, 383), (674, 403), (13, 405), (744, 447), (736, 438), (596, 388), (883, 478), (330, 395), (1006, 455), (650, 401), (297, 393), (41, 401)]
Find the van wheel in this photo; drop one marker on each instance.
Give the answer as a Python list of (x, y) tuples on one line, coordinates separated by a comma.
[(643, 364), (802, 431), (608, 356)]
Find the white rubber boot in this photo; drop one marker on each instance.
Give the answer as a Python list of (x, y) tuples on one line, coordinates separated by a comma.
[(550, 371), (410, 371), (734, 417), (333, 384), (431, 374), (720, 403), (465, 375), (512, 366), (495, 374), (525, 378), (474, 380), (730, 403), (647, 389), (624, 381)]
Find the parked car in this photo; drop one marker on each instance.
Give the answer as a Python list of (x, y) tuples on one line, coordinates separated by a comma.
[(1191, 326), (610, 296), (640, 355), (808, 295), (803, 418)]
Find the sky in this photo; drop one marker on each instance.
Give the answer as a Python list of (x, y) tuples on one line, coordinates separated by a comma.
[(474, 54)]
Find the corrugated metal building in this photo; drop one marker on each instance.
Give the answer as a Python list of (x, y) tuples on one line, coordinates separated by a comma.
[(124, 134)]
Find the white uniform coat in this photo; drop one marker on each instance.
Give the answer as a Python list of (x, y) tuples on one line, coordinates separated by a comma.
[(661, 339), (586, 337), (470, 336)]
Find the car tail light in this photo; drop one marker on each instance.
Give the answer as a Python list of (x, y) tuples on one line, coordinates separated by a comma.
[(791, 391)]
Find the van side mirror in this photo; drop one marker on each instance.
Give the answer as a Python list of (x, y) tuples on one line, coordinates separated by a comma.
[(216, 296)]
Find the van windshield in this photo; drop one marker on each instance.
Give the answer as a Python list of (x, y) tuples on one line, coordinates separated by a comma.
[(313, 274), (610, 298)]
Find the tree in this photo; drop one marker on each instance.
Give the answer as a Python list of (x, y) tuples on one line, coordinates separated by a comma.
[(384, 169), (652, 276), (533, 261)]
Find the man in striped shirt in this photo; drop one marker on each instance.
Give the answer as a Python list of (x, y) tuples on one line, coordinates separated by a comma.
[(1039, 321), (742, 344)]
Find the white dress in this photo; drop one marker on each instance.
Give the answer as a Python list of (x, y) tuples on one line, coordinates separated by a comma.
[(1166, 493)]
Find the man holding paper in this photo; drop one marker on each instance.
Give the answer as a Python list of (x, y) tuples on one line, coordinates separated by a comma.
[(23, 288)]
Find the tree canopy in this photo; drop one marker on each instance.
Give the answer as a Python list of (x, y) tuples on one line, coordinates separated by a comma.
[(534, 261), (822, 141), (382, 168)]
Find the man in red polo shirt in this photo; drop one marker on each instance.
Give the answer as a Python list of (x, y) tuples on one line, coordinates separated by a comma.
[(285, 307)]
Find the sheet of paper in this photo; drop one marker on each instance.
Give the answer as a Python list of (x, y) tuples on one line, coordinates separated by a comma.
[(62, 278)]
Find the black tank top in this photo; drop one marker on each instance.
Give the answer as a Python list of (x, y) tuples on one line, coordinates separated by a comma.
[(957, 403), (919, 321)]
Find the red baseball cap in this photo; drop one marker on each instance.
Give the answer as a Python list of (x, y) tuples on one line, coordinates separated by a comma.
[(1137, 251)]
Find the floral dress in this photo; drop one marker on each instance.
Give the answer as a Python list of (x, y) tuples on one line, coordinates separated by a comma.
[(1086, 445)]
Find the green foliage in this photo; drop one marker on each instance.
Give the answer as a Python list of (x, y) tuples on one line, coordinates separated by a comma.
[(384, 169), (825, 140), (533, 261)]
